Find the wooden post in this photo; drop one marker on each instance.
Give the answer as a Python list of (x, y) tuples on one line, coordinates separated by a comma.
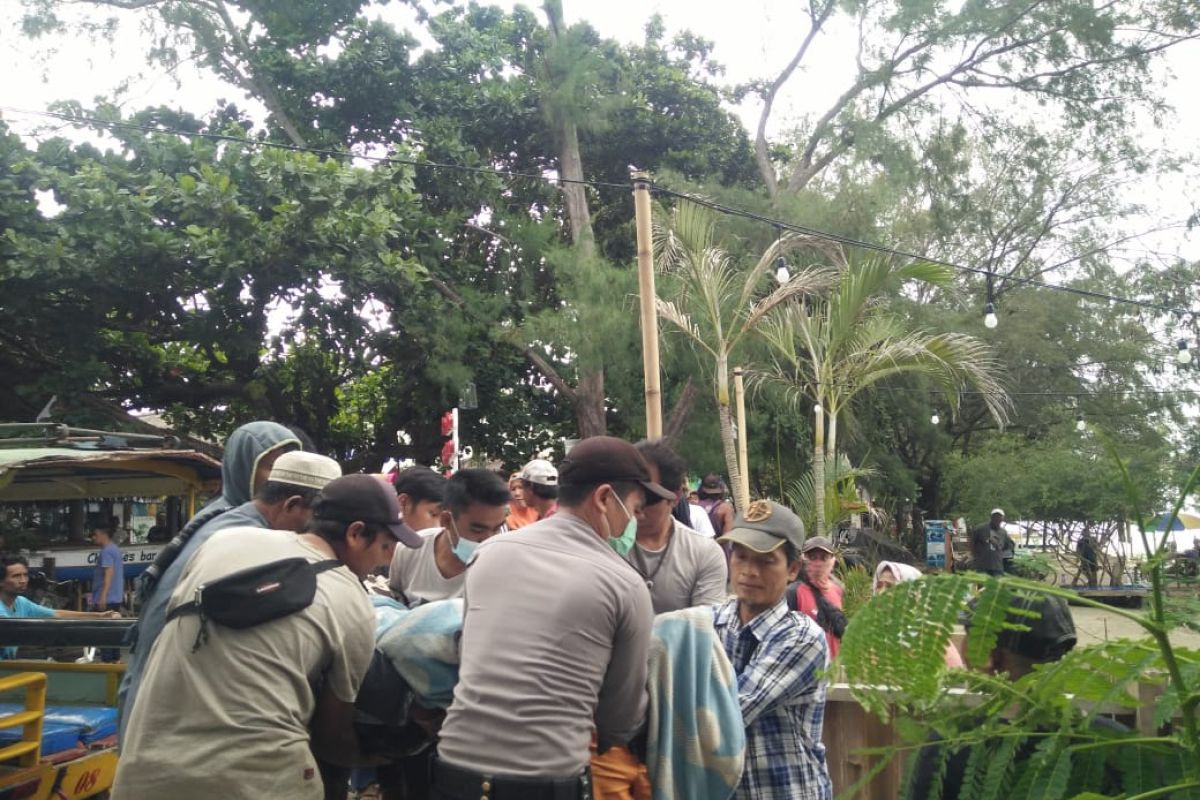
[(743, 487), (648, 298)]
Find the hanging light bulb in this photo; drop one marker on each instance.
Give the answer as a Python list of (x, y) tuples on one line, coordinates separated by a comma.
[(1080, 425), (935, 419), (782, 274), (1184, 356), (989, 316)]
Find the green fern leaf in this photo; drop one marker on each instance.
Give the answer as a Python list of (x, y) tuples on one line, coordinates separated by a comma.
[(1000, 768)]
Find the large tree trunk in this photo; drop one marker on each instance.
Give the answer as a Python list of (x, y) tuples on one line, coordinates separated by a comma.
[(570, 164), (678, 418), (589, 394), (726, 417), (590, 416)]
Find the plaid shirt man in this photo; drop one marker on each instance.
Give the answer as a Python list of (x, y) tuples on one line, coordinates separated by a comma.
[(777, 658)]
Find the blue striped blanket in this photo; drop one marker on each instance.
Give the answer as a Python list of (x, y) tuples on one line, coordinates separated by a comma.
[(696, 738)]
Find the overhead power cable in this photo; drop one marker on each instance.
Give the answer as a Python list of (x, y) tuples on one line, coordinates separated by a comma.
[(878, 248), (656, 188)]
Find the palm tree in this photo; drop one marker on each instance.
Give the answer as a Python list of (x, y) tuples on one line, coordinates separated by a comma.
[(717, 303), (830, 350), (839, 497)]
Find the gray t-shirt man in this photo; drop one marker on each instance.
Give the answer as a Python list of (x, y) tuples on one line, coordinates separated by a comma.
[(554, 644), (689, 571)]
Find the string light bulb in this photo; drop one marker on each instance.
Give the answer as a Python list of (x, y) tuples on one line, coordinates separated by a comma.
[(990, 321), (1184, 356), (1080, 425), (935, 419), (782, 274)]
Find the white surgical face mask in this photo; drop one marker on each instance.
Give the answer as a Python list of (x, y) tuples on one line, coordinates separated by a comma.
[(624, 543), (463, 548)]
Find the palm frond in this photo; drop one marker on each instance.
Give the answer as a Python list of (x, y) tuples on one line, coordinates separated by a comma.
[(803, 284), (670, 313)]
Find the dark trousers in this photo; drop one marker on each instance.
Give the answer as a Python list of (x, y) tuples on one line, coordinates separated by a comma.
[(108, 655)]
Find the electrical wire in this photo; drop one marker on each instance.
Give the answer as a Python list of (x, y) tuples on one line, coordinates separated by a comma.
[(654, 187), (878, 248)]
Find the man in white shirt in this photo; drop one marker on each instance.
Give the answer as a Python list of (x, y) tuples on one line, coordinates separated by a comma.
[(474, 506)]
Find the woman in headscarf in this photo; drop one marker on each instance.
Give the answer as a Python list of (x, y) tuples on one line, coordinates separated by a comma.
[(890, 573)]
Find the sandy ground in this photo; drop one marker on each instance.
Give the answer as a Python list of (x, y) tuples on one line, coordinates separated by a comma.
[(1093, 625)]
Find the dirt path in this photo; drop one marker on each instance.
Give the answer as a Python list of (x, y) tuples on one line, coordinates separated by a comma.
[(1093, 625)]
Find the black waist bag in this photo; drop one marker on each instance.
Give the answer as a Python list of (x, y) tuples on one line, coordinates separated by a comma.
[(254, 595)]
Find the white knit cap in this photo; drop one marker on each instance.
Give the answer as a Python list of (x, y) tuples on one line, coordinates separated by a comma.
[(297, 468)]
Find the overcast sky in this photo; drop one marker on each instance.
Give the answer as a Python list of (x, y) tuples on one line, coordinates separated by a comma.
[(753, 39)]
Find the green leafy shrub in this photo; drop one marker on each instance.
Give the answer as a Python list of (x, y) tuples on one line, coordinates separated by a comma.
[(1033, 737)]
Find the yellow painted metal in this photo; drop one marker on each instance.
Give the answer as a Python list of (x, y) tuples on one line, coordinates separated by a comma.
[(84, 777), (28, 751), (20, 718), (112, 672), (20, 749)]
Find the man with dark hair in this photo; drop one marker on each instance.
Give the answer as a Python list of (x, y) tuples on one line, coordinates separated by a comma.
[(989, 543), (214, 709), (421, 491), (778, 657), (554, 641), (538, 493), (681, 568), (282, 501), (711, 495), (473, 510), (108, 581), (14, 604)]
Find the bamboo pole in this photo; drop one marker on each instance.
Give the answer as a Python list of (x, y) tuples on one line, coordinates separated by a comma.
[(648, 298), (743, 487)]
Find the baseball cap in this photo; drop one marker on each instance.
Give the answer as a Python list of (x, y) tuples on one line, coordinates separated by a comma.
[(764, 526), (364, 498), (817, 543), (540, 471), (606, 459), (1050, 634), (310, 470), (996, 511)]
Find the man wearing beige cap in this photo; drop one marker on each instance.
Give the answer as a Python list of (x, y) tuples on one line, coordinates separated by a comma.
[(778, 657), (555, 638), (283, 502)]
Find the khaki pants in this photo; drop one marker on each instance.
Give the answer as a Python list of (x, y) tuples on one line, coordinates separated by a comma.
[(618, 775)]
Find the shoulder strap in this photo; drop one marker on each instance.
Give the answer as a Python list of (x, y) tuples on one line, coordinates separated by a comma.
[(793, 600)]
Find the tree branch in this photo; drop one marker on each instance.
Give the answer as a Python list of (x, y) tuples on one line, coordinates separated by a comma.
[(761, 150), (262, 89)]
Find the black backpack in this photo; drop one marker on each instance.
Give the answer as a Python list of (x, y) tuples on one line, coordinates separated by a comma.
[(829, 617), (254, 595)]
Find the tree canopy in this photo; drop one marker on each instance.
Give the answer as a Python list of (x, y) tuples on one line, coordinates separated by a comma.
[(208, 264)]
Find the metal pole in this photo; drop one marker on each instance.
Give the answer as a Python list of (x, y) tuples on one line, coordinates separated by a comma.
[(648, 298), (743, 488)]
